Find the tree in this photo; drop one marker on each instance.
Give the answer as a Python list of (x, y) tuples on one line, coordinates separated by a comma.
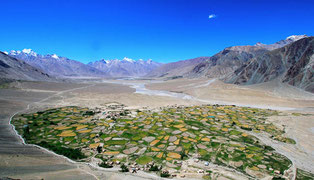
[(124, 168), (99, 149), (183, 155), (105, 165), (154, 168), (26, 132), (164, 174)]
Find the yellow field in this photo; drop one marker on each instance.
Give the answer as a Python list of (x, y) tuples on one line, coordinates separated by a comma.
[(67, 133), (174, 155)]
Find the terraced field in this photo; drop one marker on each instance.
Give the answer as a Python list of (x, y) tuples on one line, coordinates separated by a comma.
[(167, 136)]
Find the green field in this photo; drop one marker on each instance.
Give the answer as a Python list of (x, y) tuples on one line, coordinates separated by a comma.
[(218, 134)]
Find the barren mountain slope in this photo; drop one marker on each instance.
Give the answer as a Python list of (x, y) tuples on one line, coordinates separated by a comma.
[(226, 61), (175, 69), (12, 68), (293, 63)]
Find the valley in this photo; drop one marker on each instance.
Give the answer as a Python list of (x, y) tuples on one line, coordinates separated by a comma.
[(157, 90), (244, 113), (147, 110)]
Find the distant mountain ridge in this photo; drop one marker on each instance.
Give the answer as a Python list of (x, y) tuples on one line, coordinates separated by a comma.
[(232, 58), (64, 67), (12, 68), (282, 43), (55, 65), (290, 59), (222, 63), (126, 67)]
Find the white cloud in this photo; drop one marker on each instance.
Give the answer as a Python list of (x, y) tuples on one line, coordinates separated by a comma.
[(212, 16)]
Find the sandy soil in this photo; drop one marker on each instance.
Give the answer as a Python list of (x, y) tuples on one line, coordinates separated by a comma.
[(300, 128), (255, 96), (25, 161)]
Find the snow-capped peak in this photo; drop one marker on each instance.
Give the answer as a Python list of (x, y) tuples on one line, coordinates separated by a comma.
[(141, 61), (55, 56), (296, 37), (149, 61), (127, 59), (13, 52), (259, 44), (29, 51), (124, 60), (5, 52), (105, 61)]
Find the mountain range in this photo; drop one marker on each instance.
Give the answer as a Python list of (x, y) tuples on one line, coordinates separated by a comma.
[(64, 67), (12, 68), (290, 60), (55, 65), (125, 67), (221, 64)]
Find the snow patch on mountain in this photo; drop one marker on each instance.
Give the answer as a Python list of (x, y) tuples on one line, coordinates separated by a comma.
[(279, 44), (28, 52), (126, 67), (55, 56), (128, 59), (296, 37)]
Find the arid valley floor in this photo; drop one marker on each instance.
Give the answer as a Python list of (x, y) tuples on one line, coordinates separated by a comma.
[(296, 117)]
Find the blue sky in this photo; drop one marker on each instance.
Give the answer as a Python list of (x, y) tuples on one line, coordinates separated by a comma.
[(162, 30)]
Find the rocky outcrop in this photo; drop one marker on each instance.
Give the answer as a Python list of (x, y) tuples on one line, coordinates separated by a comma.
[(226, 61), (293, 63), (301, 72)]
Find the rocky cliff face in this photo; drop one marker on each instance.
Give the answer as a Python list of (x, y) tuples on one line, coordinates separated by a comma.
[(301, 71), (293, 63), (226, 61)]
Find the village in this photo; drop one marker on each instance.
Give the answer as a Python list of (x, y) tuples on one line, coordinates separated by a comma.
[(172, 141)]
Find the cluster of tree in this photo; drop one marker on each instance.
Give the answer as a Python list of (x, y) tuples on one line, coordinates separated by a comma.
[(124, 168), (154, 168), (105, 164), (26, 133), (246, 128), (71, 153), (164, 174), (88, 113)]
